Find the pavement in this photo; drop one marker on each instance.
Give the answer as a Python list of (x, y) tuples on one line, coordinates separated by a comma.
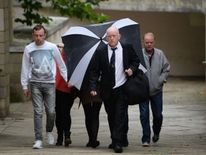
[(183, 131)]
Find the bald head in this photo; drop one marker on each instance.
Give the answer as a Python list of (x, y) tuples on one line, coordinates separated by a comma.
[(113, 36), (149, 35), (112, 29), (149, 41)]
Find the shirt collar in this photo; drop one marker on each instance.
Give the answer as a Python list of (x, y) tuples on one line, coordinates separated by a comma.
[(117, 47)]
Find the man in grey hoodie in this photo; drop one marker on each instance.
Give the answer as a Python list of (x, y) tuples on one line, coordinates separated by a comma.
[(158, 68)]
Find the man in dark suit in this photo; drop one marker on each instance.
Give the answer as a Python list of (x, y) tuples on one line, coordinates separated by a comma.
[(113, 63)]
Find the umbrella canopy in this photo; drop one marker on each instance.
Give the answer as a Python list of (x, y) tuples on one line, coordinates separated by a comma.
[(80, 43)]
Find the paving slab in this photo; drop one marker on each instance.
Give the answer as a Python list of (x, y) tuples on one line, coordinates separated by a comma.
[(183, 131)]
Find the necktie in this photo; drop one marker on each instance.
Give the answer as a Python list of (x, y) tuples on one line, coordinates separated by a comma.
[(112, 65)]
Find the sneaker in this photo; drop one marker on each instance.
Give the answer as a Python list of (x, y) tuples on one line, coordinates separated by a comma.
[(145, 144), (155, 138), (38, 144), (50, 138)]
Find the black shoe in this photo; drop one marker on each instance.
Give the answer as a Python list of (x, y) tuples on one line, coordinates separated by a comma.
[(89, 144), (118, 149), (111, 146), (58, 143), (95, 144), (155, 138), (67, 141)]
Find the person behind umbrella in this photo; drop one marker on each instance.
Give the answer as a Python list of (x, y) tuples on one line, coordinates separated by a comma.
[(91, 106), (39, 71), (64, 101), (158, 68), (113, 62)]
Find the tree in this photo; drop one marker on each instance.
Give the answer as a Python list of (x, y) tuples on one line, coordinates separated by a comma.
[(72, 8)]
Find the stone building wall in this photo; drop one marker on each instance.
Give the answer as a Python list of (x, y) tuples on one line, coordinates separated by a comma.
[(4, 56), (155, 5)]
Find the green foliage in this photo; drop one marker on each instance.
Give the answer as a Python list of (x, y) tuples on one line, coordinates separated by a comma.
[(79, 9), (30, 13), (72, 8)]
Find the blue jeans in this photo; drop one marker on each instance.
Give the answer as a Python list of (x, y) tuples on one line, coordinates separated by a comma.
[(156, 107), (43, 96)]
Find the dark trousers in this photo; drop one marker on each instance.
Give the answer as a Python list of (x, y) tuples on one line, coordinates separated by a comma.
[(91, 111), (125, 129), (116, 109), (156, 107), (64, 102)]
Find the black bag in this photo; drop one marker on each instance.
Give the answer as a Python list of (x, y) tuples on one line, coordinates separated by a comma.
[(137, 88)]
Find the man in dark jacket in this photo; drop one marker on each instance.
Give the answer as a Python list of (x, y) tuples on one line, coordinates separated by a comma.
[(113, 63)]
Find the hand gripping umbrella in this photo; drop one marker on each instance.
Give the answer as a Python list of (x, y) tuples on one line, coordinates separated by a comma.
[(80, 43)]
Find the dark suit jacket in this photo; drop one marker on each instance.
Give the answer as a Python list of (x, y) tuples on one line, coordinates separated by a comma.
[(101, 68)]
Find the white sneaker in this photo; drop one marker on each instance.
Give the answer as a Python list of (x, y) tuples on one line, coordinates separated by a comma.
[(145, 144), (50, 138), (38, 144)]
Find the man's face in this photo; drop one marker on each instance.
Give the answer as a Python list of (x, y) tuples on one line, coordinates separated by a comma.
[(39, 36), (113, 37), (149, 42)]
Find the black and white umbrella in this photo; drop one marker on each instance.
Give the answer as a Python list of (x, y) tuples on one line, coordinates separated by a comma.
[(80, 43)]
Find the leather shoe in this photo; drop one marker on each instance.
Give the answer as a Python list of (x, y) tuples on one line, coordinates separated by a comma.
[(111, 146), (67, 141), (93, 144), (89, 144), (118, 149), (155, 138), (58, 143), (59, 140)]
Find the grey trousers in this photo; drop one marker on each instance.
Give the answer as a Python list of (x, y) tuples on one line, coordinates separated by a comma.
[(43, 96)]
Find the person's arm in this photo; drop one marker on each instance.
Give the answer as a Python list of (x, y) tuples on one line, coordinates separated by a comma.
[(61, 64), (25, 71), (133, 61), (165, 69), (94, 74)]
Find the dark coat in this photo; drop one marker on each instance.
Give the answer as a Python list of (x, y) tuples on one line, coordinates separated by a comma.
[(84, 92), (101, 68)]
